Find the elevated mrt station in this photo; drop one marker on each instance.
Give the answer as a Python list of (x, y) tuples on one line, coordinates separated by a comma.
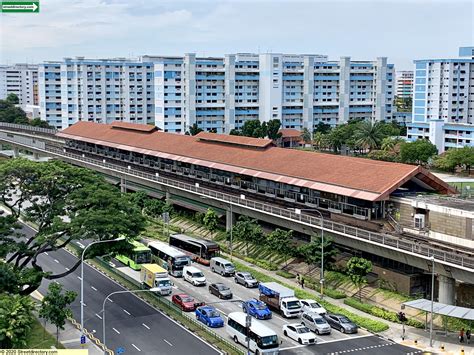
[(370, 208)]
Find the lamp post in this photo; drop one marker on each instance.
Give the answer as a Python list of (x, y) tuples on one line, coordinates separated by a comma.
[(298, 212), (82, 276), (153, 289), (432, 298)]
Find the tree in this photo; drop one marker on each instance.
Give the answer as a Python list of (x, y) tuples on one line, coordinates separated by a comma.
[(403, 104), (16, 318), (417, 152), (66, 203), (247, 230), (194, 129), (210, 220), (306, 135), (12, 114), (139, 198), (368, 135), (319, 140), (253, 128), (279, 241), (358, 269), (322, 128), (38, 122), (457, 157), (311, 252), (235, 132), (13, 99), (55, 306), (383, 155), (273, 129), (389, 143), (154, 207)]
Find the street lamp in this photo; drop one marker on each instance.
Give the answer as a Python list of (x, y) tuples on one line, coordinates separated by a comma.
[(153, 289), (298, 212), (432, 298), (82, 277)]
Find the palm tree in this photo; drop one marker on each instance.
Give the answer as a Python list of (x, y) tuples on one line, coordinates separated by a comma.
[(306, 135), (318, 139), (369, 135)]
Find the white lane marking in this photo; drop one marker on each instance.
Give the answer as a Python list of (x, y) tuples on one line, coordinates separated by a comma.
[(80, 244), (83, 304), (67, 269), (80, 278), (98, 316), (167, 342), (56, 261), (127, 312), (46, 253), (345, 339), (292, 347), (116, 331), (147, 327), (110, 300), (136, 347), (92, 287)]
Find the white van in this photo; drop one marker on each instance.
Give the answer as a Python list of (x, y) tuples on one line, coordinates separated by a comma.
[(194, 275), (222, 266)]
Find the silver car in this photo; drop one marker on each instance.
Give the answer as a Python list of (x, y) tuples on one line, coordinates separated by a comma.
[(246, 279), (316, 323)]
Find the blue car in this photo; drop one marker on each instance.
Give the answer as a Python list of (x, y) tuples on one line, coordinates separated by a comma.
[(257, 309), (209, 316)]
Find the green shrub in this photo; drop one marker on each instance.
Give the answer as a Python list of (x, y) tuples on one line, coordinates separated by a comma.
[(328, 291), (285, 274), (380, 312)]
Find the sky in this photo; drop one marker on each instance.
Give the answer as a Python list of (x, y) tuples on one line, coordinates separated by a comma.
[(402, 30)]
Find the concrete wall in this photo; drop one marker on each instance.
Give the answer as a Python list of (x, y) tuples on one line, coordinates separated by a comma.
[(446, 224)]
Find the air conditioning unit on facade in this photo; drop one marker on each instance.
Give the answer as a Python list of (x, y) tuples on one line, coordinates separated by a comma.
[(419, 220)]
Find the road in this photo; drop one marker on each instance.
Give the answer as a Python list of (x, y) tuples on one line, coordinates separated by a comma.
[(363, 342), (130, 323)]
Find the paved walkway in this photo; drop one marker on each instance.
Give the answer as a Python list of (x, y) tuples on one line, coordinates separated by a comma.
[(394, 333)]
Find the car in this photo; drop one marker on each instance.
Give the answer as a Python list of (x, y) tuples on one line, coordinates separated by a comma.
[(312, 306), (194, 276), (257, 309), (209, 316), (341, 323), (185, 302), (300, 333), (220, 290), (246, 279), (315, 322)]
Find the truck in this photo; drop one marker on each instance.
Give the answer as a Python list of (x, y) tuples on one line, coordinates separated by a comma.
[(153, 275), (280, 298)]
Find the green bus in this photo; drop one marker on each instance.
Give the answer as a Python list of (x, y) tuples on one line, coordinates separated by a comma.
[(140, 254)]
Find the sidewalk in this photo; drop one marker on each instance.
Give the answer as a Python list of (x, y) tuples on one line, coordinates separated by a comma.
[(70, 337), (394, 333)]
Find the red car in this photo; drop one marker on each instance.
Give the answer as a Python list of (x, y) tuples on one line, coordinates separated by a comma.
[(185, 302)]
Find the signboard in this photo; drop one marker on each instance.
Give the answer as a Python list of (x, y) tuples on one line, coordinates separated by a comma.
[(83, 339)]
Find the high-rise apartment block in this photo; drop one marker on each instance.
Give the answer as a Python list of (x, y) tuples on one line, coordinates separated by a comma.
[(216, 93), (404, 88), (21, 80), (443, 105)]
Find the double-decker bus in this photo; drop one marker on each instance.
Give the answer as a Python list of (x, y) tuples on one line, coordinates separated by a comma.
[(262, 340), (140, 254), (169, 258), (201, 250)]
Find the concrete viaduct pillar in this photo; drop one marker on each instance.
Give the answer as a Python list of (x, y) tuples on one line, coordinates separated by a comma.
[(168, 197), (229, 219), (446, 290), (36, 156), (16, 152), (123, 185)]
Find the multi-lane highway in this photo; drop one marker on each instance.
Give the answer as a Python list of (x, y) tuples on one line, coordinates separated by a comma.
[(362, 343), (130, 323)]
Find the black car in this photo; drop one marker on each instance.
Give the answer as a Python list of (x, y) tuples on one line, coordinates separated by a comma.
[(220, 290), (246, 279), (341, 323)]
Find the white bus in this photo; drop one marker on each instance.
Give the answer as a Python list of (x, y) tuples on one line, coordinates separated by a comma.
[(169, 258), (263, 340)]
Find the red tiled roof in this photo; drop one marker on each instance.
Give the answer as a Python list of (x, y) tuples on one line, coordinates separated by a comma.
[(348, 176), (290, 132), (235, 140), (133, 126)]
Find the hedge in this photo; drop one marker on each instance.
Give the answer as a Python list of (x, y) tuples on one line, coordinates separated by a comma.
[(381, 312), (369, 324), (285, 274)]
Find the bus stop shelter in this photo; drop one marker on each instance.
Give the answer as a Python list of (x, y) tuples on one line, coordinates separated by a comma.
[(441, 309)]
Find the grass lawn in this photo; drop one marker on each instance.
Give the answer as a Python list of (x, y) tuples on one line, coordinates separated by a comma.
[(462, 185), (39, 339)]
